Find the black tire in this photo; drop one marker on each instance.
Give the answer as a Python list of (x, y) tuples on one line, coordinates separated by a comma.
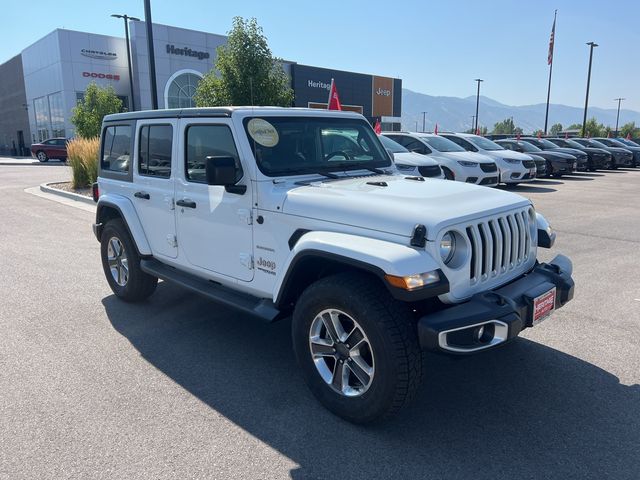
[(42, 156), (391, 331), (138, 284), (549, 172), (448, 174)]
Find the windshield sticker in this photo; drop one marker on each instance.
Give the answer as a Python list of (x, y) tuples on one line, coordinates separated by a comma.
[(263, 132)]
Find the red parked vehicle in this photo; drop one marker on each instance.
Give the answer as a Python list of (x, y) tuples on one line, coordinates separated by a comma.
[(51, 148)]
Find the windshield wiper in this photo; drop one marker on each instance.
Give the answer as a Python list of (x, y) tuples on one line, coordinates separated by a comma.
[(307, 172), (345, 167)]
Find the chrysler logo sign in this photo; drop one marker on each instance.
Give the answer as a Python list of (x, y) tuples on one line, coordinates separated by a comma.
[(187, 52), (99, 54)]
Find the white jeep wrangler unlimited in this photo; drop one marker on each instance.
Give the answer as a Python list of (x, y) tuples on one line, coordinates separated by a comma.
[(280, 211)]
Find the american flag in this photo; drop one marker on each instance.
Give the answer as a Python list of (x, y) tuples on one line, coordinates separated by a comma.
[(551, 40)]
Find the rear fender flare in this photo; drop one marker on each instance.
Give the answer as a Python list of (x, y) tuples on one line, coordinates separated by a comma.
[(130, 217)]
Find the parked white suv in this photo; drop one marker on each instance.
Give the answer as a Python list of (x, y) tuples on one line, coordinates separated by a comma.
[(411, 163), (456, 162), (513, 167), (257, 210)]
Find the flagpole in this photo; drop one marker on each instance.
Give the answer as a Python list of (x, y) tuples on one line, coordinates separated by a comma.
[(546, 114)]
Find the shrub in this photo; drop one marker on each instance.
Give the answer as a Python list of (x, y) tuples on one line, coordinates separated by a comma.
[(82, 154)]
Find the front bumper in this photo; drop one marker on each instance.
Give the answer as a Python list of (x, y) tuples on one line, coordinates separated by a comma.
[(507, 310)]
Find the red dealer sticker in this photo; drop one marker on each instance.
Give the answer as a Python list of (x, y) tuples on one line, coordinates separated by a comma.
[(544, 305)]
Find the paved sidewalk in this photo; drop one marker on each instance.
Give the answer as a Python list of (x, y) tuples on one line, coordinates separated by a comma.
[(27, 161)]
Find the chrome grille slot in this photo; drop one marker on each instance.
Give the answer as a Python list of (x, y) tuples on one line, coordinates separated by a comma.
[(499, 245)]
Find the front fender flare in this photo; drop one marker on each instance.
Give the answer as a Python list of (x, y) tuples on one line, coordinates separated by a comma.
[(130, 217), (379, 257)]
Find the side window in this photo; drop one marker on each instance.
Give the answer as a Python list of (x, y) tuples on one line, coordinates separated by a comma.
[(204, 141), (116, 148), (507, 145), (154, 152), (418, 146), (62, 142)]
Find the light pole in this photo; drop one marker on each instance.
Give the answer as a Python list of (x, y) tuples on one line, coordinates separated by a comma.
[(416, 125), (424, 117), (126, 19), (477, 102), (619, 100), (586, 100), (152, 58), (473, 122)]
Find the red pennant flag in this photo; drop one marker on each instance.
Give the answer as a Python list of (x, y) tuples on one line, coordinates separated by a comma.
[(539, 134), (628, 136), (566, 135), (477, 131), (518, 137), (609, 135), (377, 127), (436, 130), (334, 100)]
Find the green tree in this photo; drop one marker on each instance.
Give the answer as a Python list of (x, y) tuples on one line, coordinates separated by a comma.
[(87, 115), (594, 129), (575, 126), (556, 128), (630, 129), (504, 127), (248, 73)]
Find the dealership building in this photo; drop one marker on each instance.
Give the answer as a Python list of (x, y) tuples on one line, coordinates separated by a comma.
[(41, 85)]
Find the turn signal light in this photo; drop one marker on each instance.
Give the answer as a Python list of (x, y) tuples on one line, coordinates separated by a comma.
[(413, 282)]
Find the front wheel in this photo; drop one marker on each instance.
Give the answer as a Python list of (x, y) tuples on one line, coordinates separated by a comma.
[(357, 347), (42, 157), (121, 264)]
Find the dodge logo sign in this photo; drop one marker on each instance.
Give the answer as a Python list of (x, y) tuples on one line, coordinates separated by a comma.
[(108, 76), (99, 54)]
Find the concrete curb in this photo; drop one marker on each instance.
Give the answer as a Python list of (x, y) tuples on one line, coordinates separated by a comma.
[(35, 162), (44, 187)]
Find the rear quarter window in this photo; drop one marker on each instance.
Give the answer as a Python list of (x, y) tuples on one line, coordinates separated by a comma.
[(115, 155)]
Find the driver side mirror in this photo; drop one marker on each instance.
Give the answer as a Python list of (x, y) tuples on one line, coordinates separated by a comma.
[(222, 171)]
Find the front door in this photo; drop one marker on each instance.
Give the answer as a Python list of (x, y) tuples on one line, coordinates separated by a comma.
[(153, 182), (214, 226)]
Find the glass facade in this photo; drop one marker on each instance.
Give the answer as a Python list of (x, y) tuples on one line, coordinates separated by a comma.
[(181, 91), (49, 115)]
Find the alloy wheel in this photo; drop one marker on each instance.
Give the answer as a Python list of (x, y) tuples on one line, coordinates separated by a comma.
[(118, 261), (341, 352)]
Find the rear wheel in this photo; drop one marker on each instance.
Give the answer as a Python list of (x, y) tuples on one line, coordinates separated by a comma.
[(121, 264), (357, 347), (42, 157)]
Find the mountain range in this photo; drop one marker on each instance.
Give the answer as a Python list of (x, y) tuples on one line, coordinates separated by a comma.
[(454, 113)]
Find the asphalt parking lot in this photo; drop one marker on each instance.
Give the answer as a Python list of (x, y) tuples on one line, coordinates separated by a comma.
[(178, 387)]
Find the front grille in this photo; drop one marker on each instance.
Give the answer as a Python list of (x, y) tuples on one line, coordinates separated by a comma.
[(489, 167), (499, 245), (489, 181), (430, 170), (528, 164)]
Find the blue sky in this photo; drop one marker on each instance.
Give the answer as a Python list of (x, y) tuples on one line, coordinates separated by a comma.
[(437, 48)]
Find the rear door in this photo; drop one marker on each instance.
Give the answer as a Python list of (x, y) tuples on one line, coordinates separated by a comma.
[(154, 184)]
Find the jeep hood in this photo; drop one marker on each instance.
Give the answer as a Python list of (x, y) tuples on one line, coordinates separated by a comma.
[(394, 204)]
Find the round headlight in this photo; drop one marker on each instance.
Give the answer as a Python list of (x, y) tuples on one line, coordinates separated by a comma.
[(447, 247)]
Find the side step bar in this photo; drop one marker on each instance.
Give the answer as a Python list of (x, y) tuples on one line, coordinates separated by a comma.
[(259, 307)]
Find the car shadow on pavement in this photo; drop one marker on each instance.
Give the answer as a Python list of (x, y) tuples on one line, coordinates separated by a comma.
[(576, 177), (527, 188), (522, 411), (544, 181)]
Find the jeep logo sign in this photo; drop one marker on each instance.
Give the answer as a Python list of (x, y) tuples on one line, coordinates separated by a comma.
[(99, 54), (382, 96), (187, 52)]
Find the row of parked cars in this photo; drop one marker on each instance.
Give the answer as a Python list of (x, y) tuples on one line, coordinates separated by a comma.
[(475, 159)]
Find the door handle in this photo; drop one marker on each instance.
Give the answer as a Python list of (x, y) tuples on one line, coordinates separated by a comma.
[(185, 202), (143, 195)]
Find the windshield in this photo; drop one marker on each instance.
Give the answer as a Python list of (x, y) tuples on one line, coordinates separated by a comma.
[(628, 142), (595, 143), (303, 145), (485, 143), (572, 143), (527, 147), (392, 146), (442, 144), (548, 144)]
